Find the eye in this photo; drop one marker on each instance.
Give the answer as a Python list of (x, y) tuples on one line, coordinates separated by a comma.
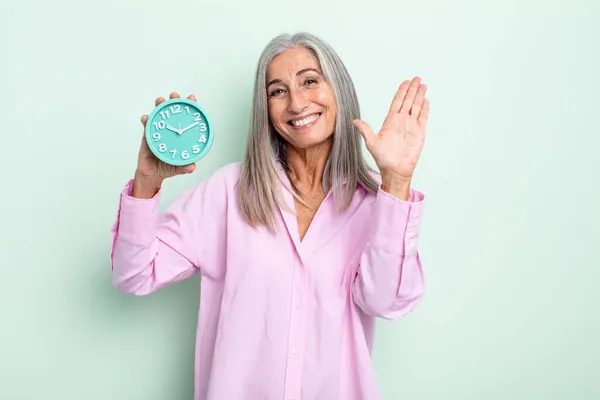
[(276, 92), (310, 81)]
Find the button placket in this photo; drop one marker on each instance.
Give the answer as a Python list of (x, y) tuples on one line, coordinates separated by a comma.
[(296, 330)]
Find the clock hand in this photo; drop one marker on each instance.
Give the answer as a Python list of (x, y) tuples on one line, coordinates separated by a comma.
[(178, 131), (189, 127)]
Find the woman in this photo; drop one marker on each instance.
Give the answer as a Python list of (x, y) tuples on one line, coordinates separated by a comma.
[(300, 246)]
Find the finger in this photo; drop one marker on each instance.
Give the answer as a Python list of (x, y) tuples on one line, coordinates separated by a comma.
[(410, 95), (192, 97), (399, 98), (174, 95), (185, 169), (144, 119), (418, 104), (159, 100), (424, 112), (189, 168), (366, 132)]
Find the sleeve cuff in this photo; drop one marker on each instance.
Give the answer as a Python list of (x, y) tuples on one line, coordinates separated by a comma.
[(136, 216), (397, 222)]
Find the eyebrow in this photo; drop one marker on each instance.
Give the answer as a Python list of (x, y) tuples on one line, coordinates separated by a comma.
[(300, 72)]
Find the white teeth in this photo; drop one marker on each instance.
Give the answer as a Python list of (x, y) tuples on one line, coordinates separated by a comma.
[(305, 121)]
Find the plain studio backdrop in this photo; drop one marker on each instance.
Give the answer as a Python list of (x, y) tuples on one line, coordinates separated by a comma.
[(510, 168)]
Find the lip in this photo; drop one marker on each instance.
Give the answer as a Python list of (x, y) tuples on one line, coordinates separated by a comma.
[(307, 125)]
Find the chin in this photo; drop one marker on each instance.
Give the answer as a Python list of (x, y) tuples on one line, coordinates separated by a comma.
[(309, 141)]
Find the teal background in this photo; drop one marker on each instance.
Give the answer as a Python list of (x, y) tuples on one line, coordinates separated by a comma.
[(510, 235)]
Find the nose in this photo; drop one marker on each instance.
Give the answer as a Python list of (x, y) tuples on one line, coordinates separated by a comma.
[(297, 101)]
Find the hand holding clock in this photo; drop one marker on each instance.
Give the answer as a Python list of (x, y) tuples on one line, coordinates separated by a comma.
[(150, 171)]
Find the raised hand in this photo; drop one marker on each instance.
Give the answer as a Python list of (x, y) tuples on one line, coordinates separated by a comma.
[(397, 147), (150, 171)]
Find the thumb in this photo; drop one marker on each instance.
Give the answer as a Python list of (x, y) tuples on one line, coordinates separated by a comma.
[(185, 169), (365, 130)]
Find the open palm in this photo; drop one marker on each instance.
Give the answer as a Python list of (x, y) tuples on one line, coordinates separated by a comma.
[(397, 147)]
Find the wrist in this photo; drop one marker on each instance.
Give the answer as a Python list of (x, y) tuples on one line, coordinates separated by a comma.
[(145, 187), (395, 184)]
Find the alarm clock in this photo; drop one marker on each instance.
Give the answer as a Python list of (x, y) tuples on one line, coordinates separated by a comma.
[(179, 132)]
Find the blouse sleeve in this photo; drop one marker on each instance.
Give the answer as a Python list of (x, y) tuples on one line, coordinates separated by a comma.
[(389, 281), (150, 251)]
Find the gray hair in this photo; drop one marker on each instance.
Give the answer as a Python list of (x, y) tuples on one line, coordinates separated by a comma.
[(259, 187)]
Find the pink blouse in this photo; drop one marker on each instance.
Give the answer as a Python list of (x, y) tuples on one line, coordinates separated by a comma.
[(279, 318)]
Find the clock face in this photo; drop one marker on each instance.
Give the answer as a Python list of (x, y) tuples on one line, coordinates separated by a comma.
[(179, 132)]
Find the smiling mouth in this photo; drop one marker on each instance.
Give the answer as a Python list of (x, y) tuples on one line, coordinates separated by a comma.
[(303, 122)]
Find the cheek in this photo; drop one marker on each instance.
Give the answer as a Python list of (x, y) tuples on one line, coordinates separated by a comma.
[(326, 99), (275, 115), (331, 111)]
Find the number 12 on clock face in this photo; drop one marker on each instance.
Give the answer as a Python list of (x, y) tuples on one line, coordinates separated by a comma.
[(179, 132)]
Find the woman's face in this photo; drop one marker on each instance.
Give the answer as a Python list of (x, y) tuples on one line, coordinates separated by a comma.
[(302, 105)]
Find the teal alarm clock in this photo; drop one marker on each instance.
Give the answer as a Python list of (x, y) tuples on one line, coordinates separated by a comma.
[(179, 132)]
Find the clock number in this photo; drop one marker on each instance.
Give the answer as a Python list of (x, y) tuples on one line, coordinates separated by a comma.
[(160, 125), (202, 127), (202, 139), (156, 136), (187, 108), (162, 147), (197, 115), (185, 155), (176, 109), (195, 149), (173, 152), (165, 114)]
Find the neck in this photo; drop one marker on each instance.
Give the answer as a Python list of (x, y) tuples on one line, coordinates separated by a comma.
[(306, 166)]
